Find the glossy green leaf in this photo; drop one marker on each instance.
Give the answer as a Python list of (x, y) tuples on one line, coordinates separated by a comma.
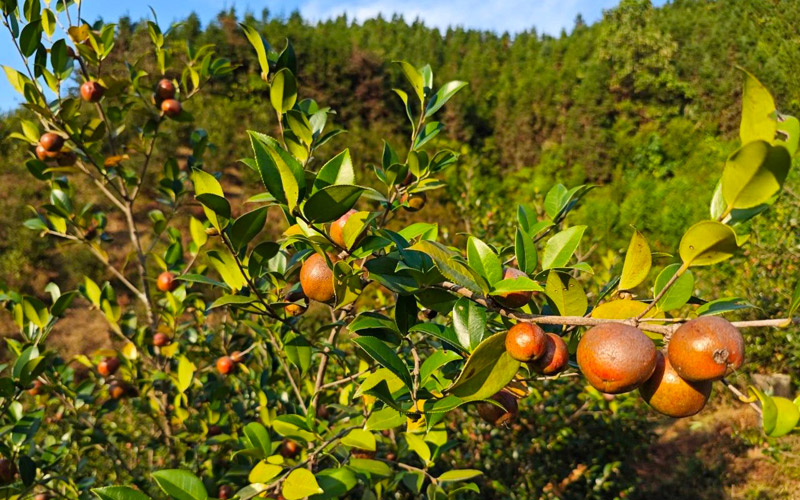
[(247, 227), (384, 419), (469, 323), (754, 173), (637, 262), (264, 472), (385, 357), (414, 77), (519, 284), (559, 248), (566, 294), (228, 270), (758, 107), (335, 483), (487, 370), (205, 183), (707, 242), (435, 361), (283, 91), (278, 176), (259, 439), (180, 484), (483, 259), (769, 411), (300, 483), (338, 170), (119, 493), (787, 417), (371, 467), (447, 264), (331, 202), (445, 92), (459, 475), (679, 293), (525, 252), (298, 350), (359, 438), (261, 47), (721, 306), (418, 445), (186, 371)]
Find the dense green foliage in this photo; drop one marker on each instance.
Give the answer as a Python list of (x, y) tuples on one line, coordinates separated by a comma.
[(638, 105)]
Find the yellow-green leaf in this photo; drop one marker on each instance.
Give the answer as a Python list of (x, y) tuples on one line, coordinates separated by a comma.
[(754, 173), (758, 107), (300, 483), (706, 243), (637, 262)]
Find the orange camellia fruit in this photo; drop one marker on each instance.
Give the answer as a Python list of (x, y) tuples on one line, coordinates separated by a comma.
[(108, 366), (160, 339), (671, 395), (166, 282), (555, 357), (225, 365), (225, 492), (514, 299), (495, 415), (51, 142), (171, 107), (116, 391), (92, 91), (706, 348), (165, 89), (337, 228), (526, 342), (67, 159), (289, 449), (8, 471), (316, 278), (616, 358), (413, 202), (37, 388)]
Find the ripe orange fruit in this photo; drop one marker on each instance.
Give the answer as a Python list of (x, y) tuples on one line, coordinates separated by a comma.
[(706, 348), (51, 142), (165, 89), (37, 388), (160, 339), (67, 159), (671, 395), (289, 449), (514, 299), (116, 391), (42, 496), (413, 202), (92, 91), (316, 278), (337, 228), (108, 366), (8, 471), (500, 416), (555, 357), (525, 342), (616, 358), (225, 365), (166, 282), (225, 492), (171, 107)]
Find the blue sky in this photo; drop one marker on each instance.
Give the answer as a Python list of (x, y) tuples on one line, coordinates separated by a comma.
[(547, 16)]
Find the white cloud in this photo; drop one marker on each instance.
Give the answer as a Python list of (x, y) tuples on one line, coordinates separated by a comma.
[(548, 16)]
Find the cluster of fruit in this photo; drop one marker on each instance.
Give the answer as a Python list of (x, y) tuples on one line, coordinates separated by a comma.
[(616, 358)]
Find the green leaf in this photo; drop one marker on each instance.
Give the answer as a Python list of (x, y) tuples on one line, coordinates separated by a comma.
[(787, 417), (30, 38), (554, 200), (679, 293), (279, 173), (566, 294), (371, 467), (419, 446), (707, 242), (769, 411), (795, 303), (217, 204), (283, 91), (259, 439), (185, 373), (427, 133), (264, 472), (338, 170), (469, 323), (559, 249), (331, 202), (788, 133), (482, 258), (180, 484), (519, 284), (758, 107), (361, 439), (414, 77), (435, 361), (300, 483), (228, 270), (754, 173), (525, 252), (119, 493), (247, 227), (258, 43), (447, 264), (459, 475), (198, 232), (298, 350), (385, 418), (385, 357), (487, 370), (443, 95), (335, 482), (637, 262), (721, 306), (205, 183)]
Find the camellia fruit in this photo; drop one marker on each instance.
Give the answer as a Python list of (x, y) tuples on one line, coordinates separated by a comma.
[(171, 107), (706, 348), (413, 202), (116, 391), (555, 357), (108, 366), (316, 279), (337, 228), (160, 339), (92, 91), (165, 89), (166, 282), (514, 299), (8, 471), (225, 365), (616, 358), (51, 142), (495, 415), (526, 342), (670, 394), (289, 449)]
